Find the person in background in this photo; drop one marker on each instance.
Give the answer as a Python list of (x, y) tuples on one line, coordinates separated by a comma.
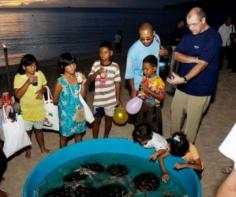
[(225, 30), (152, 92), (66, 94), (118, 38), (148, 44), (106, 74), (198, 55), (179, 31), (181, 147), (29, 88)]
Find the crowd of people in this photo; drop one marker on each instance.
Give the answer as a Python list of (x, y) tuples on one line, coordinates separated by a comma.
[(197, 52)]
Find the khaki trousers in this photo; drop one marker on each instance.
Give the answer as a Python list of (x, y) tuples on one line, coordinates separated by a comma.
[(189, 110)]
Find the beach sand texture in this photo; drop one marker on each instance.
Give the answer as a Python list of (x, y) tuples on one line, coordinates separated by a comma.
[(215, 126)]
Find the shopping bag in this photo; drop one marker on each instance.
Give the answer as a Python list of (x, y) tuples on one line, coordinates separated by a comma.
[(87, 112), (14, 134), (228, 146), (51, 121)]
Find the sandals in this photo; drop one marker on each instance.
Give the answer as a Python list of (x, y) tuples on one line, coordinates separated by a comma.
[(227, 169)]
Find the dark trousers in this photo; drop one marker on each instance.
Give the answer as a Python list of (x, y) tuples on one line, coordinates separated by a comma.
[(151, 115), (225, 53), (232, 56)]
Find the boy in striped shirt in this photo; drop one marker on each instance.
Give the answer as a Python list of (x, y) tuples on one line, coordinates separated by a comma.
[(106, 74)]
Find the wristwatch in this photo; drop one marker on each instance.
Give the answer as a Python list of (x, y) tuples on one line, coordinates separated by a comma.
[(185, 80)]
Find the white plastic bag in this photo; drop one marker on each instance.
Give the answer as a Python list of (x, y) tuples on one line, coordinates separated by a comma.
[(228, 146), (51, 120), (88, 114), (14, 135)]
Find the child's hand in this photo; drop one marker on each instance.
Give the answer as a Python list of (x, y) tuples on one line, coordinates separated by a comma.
[(100, 70), (80, 78), (31, 79), (39, 94), (153, 157), (165, 177), (179, 166), (118, 102)]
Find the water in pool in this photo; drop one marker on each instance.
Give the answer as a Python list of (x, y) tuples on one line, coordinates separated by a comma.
[(108, 175)]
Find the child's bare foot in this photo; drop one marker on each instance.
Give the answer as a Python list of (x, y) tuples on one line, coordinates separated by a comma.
[(45, 150), (28, 153)]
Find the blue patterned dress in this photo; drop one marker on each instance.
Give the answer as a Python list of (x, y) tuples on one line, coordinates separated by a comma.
[(67, 104)]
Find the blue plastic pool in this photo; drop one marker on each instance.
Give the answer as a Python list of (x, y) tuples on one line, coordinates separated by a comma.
[(110, 145)]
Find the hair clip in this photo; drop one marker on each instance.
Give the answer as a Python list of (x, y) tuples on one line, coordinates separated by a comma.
[(177, 138)]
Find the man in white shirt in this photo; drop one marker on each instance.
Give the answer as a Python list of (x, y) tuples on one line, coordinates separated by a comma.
[(225, 30)]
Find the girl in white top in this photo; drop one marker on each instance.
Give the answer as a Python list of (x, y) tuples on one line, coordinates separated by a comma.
[(144, 135)]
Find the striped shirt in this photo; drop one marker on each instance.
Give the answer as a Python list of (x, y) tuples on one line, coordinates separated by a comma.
[(105, 92), (32, 108)]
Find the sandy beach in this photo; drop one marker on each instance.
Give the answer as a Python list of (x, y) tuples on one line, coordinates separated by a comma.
[(215, 126)]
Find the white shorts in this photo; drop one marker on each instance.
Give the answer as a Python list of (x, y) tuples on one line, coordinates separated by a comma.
[(29, 125), (101, 111)]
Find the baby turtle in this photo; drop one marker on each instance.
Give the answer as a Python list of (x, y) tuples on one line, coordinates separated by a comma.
[(75, 176), (146, 182), (85, 191), (59, 192), (96, 167), (117, 170), (112, 190)]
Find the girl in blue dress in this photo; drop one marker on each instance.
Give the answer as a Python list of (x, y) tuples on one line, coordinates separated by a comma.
[(66, 94)]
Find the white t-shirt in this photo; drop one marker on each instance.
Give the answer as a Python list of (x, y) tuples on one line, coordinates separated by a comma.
[(158, 142), (225, 34)]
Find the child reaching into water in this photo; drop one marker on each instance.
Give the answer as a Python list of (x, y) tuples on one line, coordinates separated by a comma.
[(106, 74), (152, 93), (144, 135), (181, 147), (66, 95), (29, 88)]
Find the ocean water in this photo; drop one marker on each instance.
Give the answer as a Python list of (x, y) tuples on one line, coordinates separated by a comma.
[(54, 180), (47, 33)]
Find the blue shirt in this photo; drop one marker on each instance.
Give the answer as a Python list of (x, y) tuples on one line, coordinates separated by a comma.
[(136, 54), (206, 46)]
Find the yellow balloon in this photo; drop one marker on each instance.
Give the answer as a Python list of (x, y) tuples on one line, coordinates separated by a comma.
[(120, 115)]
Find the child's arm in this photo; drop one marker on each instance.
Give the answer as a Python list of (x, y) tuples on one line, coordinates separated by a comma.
[(83, 90), (56, 93), (19, 92), (83, 86), (118, 89), (157, 154), (93, 76), (39, 93), (160, 95), (165, 176), (194, 164)]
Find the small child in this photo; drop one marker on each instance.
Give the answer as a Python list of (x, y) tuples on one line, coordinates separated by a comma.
[(152, 92), (144, 135), (66, 95), (106, 74), (29, 89), (181, 147)]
